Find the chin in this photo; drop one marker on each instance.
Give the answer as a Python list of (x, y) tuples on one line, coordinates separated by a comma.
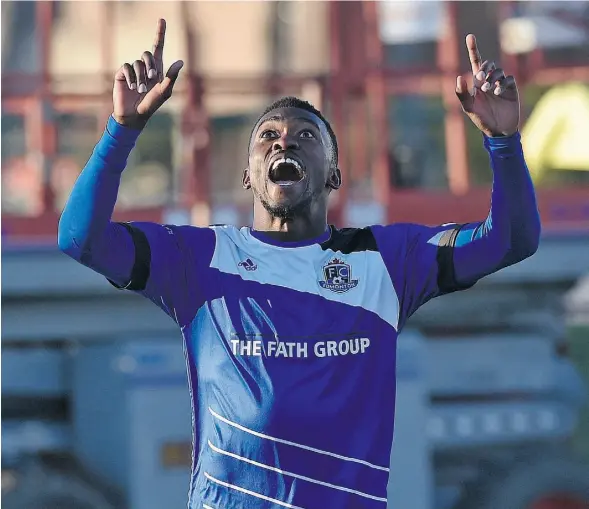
[(287, 209)]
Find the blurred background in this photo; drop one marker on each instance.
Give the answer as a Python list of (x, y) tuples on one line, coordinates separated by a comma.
[(492, 382)]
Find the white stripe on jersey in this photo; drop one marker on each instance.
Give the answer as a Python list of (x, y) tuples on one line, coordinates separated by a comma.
[(252, 493), (294, 444), (296, 476)]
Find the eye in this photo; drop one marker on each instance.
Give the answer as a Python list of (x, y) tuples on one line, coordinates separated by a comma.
[(307, 134), (269, 134)]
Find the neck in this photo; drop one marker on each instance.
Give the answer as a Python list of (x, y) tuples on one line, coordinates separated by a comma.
[(301, 227)]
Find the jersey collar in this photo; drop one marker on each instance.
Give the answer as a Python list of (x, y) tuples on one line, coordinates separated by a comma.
[(262, 237)]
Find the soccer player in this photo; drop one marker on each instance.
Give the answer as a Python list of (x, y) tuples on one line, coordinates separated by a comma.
[(290, 325)]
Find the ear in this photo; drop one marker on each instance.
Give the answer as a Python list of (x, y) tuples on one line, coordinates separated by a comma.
[(335, 179), (245, 180)]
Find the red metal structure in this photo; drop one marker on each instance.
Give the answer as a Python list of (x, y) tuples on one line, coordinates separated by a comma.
[(357, 88)]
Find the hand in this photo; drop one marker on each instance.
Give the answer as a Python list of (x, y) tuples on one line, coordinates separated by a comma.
[(140, 89), (493, 102)]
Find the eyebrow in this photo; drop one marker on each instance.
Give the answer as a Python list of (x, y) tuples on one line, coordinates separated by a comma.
[(281, 117)]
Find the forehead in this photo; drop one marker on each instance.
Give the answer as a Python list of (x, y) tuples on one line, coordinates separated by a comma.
[(291, 116)]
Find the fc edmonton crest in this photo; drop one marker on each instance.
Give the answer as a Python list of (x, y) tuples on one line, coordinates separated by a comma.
[(337, 277)]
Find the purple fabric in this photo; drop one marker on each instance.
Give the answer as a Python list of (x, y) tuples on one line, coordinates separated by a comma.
[(510, 234), (180, 258)]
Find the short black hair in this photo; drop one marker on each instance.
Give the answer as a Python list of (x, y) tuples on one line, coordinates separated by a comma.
[(295, 102)]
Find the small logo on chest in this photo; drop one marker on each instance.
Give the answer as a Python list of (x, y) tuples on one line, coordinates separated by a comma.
[(248, 265), (337, 277)]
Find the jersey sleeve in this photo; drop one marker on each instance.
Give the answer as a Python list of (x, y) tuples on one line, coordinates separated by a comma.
[(166, 264), (424, 262), (170, 266), (420, 262)]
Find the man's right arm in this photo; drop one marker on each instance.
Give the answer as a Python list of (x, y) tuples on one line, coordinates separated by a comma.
[(86, 232), (164, 263)]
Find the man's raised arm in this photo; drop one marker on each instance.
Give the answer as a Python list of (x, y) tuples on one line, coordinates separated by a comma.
[(511, 232), (86, 232), (163, 263), (425, 262)]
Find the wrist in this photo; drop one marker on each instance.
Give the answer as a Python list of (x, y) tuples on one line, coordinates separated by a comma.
[(124, 133), (135, 122), (507, 134), (509, 143)]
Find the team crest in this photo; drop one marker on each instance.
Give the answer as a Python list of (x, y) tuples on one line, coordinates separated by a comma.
[(337, 277)]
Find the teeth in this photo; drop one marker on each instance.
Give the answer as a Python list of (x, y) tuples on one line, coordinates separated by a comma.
[(287, 160), (286, 183)]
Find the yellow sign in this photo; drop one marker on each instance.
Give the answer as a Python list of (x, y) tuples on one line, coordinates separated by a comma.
[(556, 135)]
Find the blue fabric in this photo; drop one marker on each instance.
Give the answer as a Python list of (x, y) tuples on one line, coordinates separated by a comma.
[(513, 224), (86, 232)]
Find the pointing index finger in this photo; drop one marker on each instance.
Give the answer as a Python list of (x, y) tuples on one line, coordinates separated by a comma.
[(158, 45), (473, 53)]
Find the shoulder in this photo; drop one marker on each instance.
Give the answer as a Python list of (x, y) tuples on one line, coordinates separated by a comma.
[(369, 238), (350, 240), (189, 232), (410, 234), (192, 241), (229, 234), (188, 235)]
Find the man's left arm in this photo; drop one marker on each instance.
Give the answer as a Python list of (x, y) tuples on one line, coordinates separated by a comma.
[(510, 233), (425, 262)]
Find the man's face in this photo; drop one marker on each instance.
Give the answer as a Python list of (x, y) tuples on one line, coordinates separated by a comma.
[(290, 162)]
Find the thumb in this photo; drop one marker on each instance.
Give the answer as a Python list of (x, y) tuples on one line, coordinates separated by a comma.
[(463, 93), (170, 79)]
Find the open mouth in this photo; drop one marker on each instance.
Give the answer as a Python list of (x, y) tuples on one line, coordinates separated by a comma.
[(286, 172)]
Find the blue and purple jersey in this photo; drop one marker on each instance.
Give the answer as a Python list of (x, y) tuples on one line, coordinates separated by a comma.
[(290, 347)]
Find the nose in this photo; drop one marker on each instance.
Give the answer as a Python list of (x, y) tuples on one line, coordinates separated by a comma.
[(285, 142)]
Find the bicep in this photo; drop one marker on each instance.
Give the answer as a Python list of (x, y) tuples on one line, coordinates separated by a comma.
[(110, 253), (421, 262), (458, 255), (479, 250), (168, 266), (138, 268), (430, 264), (453, 257)]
